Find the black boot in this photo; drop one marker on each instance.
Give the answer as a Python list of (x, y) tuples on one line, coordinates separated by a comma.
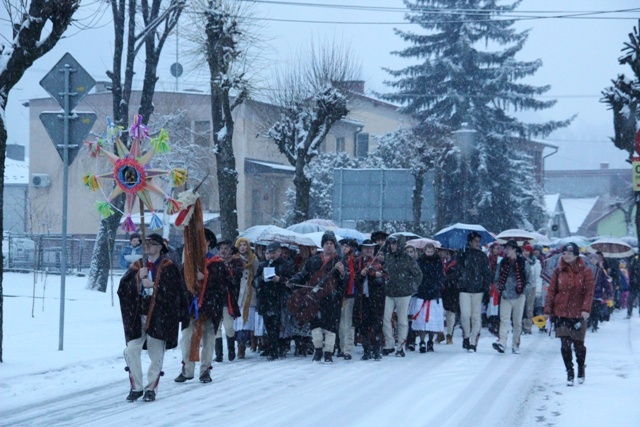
[(581, 374), (134, 395), (430, 346), (465, 343), (570, 376), (317, 355), (218, 350), (231, 346), (367, 353), (328, 357)]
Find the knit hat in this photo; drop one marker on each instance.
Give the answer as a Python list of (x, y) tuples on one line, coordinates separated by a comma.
[(571, 247), (329, 236), (527, 248)]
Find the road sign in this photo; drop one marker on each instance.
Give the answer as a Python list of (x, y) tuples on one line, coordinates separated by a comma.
[(80, 82), (80, 124), (176, 69)]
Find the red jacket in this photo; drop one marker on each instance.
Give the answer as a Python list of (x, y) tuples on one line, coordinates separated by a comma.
[(570, 291)]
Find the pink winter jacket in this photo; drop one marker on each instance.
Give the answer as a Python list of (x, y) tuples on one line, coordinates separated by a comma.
[(570, 291)]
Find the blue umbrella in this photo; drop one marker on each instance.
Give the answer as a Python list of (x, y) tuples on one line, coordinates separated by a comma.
[(350, 233), (455, 236)]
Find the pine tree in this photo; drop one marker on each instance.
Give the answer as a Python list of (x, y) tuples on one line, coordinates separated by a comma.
[(468, 76)]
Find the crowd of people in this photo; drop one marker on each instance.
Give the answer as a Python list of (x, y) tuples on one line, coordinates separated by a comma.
[(384, 294)]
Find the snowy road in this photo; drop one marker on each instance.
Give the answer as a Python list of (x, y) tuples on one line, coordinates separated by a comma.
[(86, 385)]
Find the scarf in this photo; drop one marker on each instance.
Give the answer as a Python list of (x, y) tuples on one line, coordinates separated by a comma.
[(505, 266)]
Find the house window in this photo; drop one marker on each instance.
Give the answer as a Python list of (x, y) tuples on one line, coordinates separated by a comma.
[(339, 145), (362, 145), (201, 133)]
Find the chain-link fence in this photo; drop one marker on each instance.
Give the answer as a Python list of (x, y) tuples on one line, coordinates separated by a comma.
[(43, 252)]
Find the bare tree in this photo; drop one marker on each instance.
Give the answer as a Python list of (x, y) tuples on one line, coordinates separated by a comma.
[(223, 41), (159, 18), (36, 27), (310, 94)]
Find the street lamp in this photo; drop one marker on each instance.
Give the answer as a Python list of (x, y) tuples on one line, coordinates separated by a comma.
[(465, 140)]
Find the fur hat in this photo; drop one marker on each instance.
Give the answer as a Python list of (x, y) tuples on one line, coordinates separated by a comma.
[(329, 236), (571, 247), (353, 243)]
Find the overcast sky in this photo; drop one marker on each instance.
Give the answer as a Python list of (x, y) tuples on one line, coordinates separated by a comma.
[(579, 59)]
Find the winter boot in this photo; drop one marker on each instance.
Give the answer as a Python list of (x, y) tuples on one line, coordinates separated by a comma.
[(367, 354), (440, 337), (181, 378), (317, 355), (423, 347), (254, 343), (231, 346), (449, 339), (465, 343), (205, 377), (242, 350), (581, 374), (218, 349), (134, 395), (430, 346), (400, 352), (570, 376), (149, 396), (327, 357)]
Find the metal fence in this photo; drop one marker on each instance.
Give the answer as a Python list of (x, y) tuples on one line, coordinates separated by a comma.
[(44, 252)]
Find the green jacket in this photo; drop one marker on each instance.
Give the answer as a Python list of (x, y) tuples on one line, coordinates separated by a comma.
[(403, 274)]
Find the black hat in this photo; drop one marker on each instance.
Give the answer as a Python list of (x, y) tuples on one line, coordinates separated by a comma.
[(377, 235), (155, 237), (511, 244), (473, 235), (368, 242), (225, 242), (273, 246), (328, 236), (351, 242), (210, 237), (571, 247)]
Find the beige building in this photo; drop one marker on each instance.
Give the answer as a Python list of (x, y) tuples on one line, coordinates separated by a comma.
[(264, 174)]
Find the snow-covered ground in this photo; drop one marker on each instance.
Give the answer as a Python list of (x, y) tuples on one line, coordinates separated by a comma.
[(85, 384)]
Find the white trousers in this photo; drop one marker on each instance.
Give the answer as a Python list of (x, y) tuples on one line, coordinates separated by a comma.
[(511, 310), (471, 315), (227, 321), (133, 359), (321, 337), (346, 329), (206, 355), (450, 317), (401, 307)]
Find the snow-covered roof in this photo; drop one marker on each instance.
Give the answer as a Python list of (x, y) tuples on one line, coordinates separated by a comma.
[(551, 201), (16, 172), (576, 211), (272, 166)]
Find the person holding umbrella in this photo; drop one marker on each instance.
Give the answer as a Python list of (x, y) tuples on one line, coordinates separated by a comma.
[(568, 302)]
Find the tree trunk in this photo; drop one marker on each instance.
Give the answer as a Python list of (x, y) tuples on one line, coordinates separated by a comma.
[(417, 200), (226, 163), (303, 191), (3, 148)]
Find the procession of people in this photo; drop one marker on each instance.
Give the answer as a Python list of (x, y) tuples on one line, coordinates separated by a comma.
[(387, 295)]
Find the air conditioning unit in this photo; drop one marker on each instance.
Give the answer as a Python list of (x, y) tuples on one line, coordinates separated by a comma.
[(40, 180)]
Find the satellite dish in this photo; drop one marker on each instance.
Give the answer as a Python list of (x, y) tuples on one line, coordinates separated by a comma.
[(176, 69)]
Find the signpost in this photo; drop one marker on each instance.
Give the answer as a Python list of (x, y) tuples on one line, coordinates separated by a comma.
[(67, 83)]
